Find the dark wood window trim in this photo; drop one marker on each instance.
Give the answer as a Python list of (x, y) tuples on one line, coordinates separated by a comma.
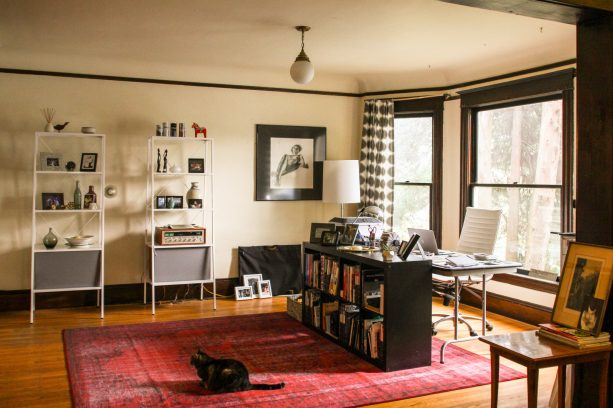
[(432, 107), (555, 85)]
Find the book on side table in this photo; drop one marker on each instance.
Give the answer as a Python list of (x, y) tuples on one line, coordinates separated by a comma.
[(573, 337)]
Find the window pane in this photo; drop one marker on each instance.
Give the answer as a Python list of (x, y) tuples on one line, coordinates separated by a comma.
[(413, 150), (411, 208), (528, 217), (520, 144)]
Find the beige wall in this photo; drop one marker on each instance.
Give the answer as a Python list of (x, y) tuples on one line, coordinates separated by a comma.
[(127, 113)]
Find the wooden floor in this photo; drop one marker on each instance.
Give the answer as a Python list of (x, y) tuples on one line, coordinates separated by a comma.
[(32, 370)]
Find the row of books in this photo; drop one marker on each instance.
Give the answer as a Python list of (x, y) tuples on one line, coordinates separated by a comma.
[(322, 273), (573, 337), (372, 335)]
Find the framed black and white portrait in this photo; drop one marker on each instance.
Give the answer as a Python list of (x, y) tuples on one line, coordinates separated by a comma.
[(289, 162), (88, 161)]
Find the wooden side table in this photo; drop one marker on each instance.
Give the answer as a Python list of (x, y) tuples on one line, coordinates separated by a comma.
[(534, 352)]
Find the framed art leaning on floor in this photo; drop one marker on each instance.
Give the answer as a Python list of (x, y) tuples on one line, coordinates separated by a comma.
[(585, 286)]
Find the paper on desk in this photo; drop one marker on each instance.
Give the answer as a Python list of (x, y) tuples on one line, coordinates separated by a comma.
[(461, 260)]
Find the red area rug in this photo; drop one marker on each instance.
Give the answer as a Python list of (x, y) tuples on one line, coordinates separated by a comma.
[(147, 365)]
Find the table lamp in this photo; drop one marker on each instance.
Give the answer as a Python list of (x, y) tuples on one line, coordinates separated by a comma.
[(341, 182)]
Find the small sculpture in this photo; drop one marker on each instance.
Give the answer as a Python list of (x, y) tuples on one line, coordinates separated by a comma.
[(159, 161), (165, 170), (48, 113), (59, 128), (70, 166), (198, 129)]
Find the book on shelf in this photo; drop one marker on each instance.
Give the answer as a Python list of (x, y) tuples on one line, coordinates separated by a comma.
[(577, 335), (351, 283), (372, 337), (330, 318), (349, 314), (565, 340)]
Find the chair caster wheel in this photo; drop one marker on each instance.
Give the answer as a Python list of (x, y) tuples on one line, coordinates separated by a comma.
[(489, 327), (473, 333)]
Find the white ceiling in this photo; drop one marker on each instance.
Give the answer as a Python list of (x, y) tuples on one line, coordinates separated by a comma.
[(355, 45)]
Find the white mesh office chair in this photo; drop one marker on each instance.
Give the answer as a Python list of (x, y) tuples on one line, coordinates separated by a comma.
[(478, 235)]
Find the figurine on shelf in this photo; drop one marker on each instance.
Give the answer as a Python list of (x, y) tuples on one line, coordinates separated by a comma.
[(159, 161), (198, 129), (48, 113), (165, 169), (59, 128)]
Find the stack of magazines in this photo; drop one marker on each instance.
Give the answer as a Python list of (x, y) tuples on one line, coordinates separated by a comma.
[(573, 337)]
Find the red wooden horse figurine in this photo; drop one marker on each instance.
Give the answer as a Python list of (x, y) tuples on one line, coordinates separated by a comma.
[(198, 129)]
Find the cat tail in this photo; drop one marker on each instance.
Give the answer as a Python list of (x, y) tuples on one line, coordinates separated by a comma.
[(267, 386)]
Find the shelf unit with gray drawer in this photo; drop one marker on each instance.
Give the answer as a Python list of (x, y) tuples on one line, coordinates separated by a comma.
[(67, 268), (181, 262)]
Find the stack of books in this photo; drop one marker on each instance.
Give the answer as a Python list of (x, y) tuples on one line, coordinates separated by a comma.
[(573, 337)]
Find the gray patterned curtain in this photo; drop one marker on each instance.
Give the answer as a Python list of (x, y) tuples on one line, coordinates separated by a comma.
[(377, 157)]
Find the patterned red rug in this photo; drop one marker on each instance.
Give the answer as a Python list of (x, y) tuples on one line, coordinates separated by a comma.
[(147, 365)]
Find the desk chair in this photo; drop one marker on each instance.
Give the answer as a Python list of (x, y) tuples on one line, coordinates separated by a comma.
[(478, 235)]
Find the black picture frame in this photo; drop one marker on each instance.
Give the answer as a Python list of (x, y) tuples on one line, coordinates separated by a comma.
[(318, 228), (195, 165), (285, 172), (174, 202), (160, 202), (88, 162), (349, 233), (403, 252), (52, 201), (329, 238)]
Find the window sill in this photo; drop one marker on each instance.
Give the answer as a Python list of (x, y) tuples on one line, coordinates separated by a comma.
[(528, 282)]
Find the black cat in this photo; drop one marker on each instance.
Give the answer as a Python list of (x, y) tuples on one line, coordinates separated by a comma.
[(225, 375)]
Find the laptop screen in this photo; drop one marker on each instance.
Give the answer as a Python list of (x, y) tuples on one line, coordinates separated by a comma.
[(427, 240)]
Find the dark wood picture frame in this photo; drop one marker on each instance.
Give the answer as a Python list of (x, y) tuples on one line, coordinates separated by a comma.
[(195, 165), (289, 162), (329, 238), (88, 162), (318, 228), (52, 201), (349, 234), (587, 273)]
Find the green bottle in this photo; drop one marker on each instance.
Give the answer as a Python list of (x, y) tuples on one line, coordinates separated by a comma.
[(77, 197)]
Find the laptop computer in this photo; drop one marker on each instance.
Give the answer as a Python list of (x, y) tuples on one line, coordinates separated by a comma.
[(427, 240)]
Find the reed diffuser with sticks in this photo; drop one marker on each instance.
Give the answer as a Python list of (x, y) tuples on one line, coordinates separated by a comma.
[(48, 113)]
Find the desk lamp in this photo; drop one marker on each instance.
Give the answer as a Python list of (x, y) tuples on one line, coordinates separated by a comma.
[(341, 181)]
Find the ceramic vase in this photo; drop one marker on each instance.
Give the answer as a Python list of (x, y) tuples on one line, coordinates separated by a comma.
[(388, 255), (194, 196), (49, 127), (50, 240)]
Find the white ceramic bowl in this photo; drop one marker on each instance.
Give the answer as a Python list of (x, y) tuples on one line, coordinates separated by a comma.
[(88, 129), (80, 240)]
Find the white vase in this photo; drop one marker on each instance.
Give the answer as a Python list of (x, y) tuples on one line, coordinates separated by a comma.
[(49, 127), (194, 196)]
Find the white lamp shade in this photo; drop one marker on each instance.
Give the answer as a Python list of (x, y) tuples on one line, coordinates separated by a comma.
[(302, 71), (341, 181)]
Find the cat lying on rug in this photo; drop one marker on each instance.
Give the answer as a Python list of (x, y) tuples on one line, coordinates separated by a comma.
[(226, 375)]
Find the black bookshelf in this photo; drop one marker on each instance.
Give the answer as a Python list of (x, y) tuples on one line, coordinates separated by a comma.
[(399, 293)]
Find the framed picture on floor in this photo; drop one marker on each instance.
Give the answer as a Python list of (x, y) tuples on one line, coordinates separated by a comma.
[(253, 281), (289, 162), (585, 286), (264, 289), (243, 292)]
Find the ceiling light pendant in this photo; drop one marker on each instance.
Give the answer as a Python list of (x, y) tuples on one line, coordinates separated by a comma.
[(302, 70)]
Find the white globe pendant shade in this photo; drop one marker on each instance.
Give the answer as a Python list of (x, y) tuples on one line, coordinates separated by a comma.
[(302, 71)]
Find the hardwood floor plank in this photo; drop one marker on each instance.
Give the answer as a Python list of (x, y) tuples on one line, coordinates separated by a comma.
[(33, 372)]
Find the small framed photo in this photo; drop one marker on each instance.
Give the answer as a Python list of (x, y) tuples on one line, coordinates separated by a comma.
[(317, 229), (349, 233), (253, 280), (53, 201), (195, 165), (88, 161), (194, 203), (160, 202), (329, 238), (243, 292), (264, 289), (585, 285), (174, 201), (50, 161)]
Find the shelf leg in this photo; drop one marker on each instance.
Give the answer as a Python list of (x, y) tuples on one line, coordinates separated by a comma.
[(145, 293), (32, 296), (152, 299), (202, 291)]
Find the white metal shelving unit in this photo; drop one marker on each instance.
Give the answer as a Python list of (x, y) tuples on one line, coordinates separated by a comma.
[(65, 268), (156, 272)]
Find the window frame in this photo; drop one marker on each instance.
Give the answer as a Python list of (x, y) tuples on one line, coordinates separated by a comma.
[(552, 86), (432, 107)]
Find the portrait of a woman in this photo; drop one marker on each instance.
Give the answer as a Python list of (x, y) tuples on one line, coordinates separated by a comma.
[(292, 165)]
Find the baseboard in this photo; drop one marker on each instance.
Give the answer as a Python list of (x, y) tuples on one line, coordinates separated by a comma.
[(16, 300)]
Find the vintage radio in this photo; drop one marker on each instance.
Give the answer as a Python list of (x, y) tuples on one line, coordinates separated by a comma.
[(183, 235)]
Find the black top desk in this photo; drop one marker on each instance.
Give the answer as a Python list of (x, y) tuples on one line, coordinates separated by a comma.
[(482, 269)]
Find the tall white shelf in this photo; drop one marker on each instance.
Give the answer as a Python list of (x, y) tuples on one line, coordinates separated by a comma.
[(179, 264), (65, 268)]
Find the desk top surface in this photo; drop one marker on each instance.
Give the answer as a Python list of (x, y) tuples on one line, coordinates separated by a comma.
[(529, 346)]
